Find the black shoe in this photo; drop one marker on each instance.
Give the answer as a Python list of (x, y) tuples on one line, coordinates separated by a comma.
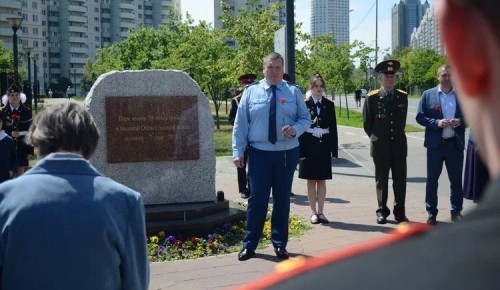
[(245, 195), (381, 220), (246, 254), (281, 253), (456, 217), (402, 219), (431, 220), (292, 194)]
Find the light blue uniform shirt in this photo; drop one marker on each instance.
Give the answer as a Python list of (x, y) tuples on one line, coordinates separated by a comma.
[(251, 124)]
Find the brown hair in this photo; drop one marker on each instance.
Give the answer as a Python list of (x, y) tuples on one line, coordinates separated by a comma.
[(64, 127), (313, 81)]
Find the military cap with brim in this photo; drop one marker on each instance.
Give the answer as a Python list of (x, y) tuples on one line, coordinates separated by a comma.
[(14, 88), (388, 66), (247, 78)]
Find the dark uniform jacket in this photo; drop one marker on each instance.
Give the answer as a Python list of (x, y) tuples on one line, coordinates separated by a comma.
[(328, 143), (234, 109), (384, 122), (23, 124)]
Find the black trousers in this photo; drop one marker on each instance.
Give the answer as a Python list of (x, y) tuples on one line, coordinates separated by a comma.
[(398, 171)]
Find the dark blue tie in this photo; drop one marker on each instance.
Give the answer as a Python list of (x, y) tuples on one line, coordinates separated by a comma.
[(272, 117)]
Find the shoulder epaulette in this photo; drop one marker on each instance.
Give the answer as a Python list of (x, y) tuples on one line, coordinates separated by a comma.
[(292, 84), (401, 91), (374, 92), (251, 84), (328, 100)]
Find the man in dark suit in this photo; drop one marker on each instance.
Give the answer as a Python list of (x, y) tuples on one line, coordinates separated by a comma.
[(439, 112), (384, 120), (243, 187)]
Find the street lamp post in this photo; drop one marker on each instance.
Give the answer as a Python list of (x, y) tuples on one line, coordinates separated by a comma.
[(15, 23), (35, 81), (74, 80), (29, 90)]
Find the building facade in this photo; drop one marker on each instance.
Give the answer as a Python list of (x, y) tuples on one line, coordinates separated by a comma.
[(330, 17), (64, 34), (236, 5), (426, 35), (406, 16)]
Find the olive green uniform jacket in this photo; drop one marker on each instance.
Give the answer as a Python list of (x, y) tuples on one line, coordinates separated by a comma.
[(384, 122)]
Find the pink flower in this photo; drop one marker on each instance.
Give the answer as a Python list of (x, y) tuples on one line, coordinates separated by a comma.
[(437, 107)]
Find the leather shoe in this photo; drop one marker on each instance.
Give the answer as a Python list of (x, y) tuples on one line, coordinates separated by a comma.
[(402, 219), (456, 217), (281, 253), (246, 254), (381, 220), (431, 220)]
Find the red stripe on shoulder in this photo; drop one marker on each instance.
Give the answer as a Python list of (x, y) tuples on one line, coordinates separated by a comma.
[(296, 266)]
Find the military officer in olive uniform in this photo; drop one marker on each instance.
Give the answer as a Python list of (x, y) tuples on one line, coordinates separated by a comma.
[(384, 120)]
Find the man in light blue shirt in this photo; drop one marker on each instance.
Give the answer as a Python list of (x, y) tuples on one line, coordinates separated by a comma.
[(440, 114), (271, 116)]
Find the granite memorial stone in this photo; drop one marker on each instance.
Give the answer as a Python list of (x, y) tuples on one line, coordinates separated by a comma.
[(156, 135)]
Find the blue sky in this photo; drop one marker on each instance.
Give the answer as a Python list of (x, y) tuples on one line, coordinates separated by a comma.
[(362, 18)]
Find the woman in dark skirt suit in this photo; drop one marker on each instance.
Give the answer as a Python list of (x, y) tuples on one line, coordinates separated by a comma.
[(476, 174), (318, 145)]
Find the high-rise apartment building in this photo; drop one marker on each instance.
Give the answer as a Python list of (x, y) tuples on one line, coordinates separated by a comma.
[(426, 35), (240, 4), (406, 16), (64, 34), (330, 17)]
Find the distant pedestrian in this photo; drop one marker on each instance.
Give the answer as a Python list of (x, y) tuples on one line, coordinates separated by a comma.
[(357, 97), (50, 94), (68, 92)]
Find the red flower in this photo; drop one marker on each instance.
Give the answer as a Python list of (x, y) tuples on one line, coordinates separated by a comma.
[(437, 107), (282, 100), (15, 117)]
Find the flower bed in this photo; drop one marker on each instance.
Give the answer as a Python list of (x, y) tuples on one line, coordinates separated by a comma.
[(224, 240)]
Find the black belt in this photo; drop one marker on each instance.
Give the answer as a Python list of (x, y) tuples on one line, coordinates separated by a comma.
[(451, 139)]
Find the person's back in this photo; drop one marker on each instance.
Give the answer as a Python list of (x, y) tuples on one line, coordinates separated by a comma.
[(65, 226)]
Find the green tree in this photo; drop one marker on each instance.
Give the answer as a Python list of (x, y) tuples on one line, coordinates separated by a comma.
[(253, 34)]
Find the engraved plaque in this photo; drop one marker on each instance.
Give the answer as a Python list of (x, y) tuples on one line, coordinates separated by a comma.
[(152, 129)]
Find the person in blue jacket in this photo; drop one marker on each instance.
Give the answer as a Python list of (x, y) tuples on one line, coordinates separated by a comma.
[(62, 224)]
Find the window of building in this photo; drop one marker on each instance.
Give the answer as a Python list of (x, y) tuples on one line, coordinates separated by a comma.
[(96, 29), (35, 43), (44, 44), (140, 16), (24, 4), (96, 9), (96, 38), (34, 5), (24, 29), (25, 16), (35, 30)]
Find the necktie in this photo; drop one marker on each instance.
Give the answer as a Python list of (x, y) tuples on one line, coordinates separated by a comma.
[(390, 97), (272, 117)]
